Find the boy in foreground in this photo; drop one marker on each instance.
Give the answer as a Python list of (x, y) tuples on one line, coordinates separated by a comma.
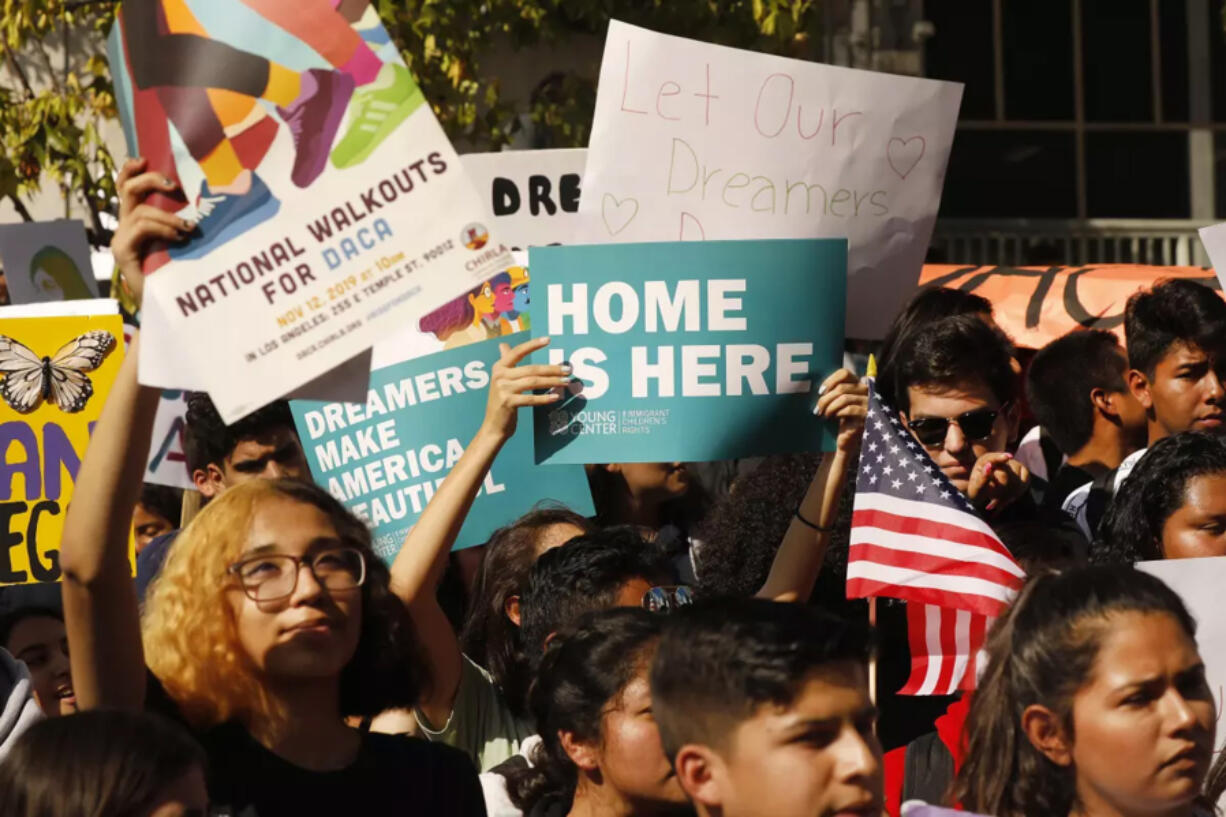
[(763, 708)]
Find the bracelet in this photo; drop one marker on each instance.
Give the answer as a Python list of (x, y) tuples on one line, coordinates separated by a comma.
[(807, 523)]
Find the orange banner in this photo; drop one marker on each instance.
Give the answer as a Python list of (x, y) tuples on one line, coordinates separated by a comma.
[(1039, 304)]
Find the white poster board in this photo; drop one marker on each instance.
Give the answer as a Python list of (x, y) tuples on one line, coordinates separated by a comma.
[(1214, 239), (698, 141), (1199, 583), (46, 261), (532, 195)]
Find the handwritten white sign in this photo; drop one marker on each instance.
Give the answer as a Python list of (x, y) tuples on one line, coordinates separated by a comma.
[(693, 141)]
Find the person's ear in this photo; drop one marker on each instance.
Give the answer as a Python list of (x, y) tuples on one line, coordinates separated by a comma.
[(510, 608), (1046, 734), (1102, 401), (702, 775), (581, 753), (612, 467), (209, 481), (1139, 385)]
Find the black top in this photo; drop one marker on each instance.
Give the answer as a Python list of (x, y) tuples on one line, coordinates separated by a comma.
[(392, 774), (1066, 480)]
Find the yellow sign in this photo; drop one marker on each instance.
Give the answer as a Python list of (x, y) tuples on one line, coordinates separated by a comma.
[(55, 374)]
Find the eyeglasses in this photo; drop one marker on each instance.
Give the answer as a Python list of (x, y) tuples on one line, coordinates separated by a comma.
[(975, 425), (274, 576), (667, 598)]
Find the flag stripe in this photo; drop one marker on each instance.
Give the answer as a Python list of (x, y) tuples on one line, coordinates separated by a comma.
[(946, 649), (957, 538), (862, 586), (923, 562), (941, 514)]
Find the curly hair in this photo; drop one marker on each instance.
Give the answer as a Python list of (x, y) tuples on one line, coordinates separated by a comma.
[(1042, 651), (1131, 530), (191, 637)]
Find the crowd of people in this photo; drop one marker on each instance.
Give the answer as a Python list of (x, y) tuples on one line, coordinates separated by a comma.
[(688, 650)]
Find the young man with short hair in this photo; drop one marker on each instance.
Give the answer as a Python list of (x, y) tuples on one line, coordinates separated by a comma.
[(1176, 338), (262, 445), (763, 708), (1077, 388), (957, 394)]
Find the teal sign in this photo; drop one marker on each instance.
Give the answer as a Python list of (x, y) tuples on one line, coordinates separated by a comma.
[(688, 351), (385, 459)]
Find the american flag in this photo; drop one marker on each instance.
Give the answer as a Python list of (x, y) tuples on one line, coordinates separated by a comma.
[(916, 537), (946, 649)]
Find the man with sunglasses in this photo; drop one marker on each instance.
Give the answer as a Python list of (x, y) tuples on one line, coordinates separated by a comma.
[(1176, 338), (957, 395)]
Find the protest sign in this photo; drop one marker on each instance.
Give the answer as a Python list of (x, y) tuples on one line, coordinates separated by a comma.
[(1036, 305), (46, 261), (532, 195), (385, 458), (695, 141), (1199, 583), (1214, 240), (57, 374), (691, 351), (167, 460), (330, 208)]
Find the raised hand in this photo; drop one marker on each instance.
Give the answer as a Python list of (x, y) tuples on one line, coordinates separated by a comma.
[(511, 386), (141, 223), (845, 398)]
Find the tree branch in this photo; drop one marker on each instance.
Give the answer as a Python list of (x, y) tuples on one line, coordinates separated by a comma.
[(20, 207)]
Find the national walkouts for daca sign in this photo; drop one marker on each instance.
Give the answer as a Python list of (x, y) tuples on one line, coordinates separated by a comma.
[(332, 210), (57, 374), (697, 141), (688, 350), (385, 459)]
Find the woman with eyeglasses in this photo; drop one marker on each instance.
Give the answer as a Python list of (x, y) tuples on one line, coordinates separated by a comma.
[(599, 751), (270, 625)]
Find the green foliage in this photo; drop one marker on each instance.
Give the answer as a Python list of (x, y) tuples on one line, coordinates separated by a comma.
[(446, 44), (50, 115), (49, 120)]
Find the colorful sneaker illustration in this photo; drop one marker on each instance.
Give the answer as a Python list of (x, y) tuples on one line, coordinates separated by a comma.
[(378, 108), (313, 119), (222, 217)]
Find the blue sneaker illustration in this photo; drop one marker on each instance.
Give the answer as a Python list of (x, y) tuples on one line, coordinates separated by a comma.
[(224, 216)]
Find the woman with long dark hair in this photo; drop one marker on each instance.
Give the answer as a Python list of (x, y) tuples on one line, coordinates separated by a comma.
[(1094, 703), (600, 750), (1172, 506)]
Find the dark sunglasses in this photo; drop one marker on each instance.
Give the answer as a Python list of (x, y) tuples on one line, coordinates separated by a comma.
[(664, 599), (975, 425)]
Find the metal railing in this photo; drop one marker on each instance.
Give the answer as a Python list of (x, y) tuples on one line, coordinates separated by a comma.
[(1028, 242)]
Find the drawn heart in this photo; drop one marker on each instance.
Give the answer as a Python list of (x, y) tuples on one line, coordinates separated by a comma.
[(618, 213), (903, 157)]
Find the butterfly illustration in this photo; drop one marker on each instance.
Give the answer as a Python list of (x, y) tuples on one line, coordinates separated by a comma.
[(60, 379)]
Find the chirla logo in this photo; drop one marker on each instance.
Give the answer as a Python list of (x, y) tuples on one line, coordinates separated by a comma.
[(475, 236)]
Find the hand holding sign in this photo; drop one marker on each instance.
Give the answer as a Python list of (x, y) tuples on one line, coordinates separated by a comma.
[(511, 386), (140, 223)]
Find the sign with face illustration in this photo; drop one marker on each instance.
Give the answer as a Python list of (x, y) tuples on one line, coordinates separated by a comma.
[(46, 261)]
